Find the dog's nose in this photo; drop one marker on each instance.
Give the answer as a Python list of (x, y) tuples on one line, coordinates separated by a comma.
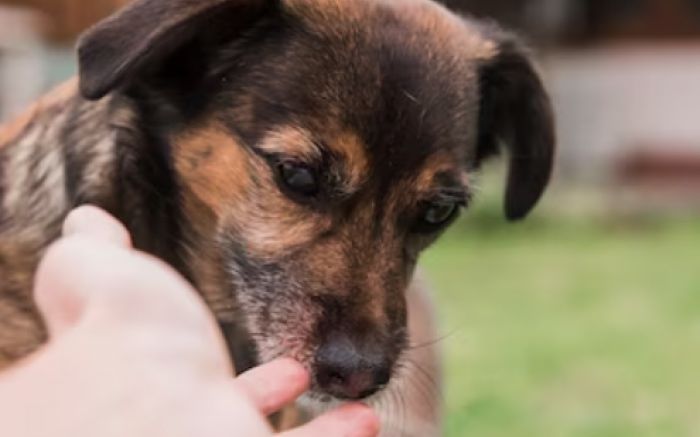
[(349, 371)]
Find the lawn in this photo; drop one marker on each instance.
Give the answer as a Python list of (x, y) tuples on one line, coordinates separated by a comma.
[(572, 329)]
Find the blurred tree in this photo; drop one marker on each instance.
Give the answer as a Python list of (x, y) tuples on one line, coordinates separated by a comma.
[(543, 20), (643, 18), (589, 21)]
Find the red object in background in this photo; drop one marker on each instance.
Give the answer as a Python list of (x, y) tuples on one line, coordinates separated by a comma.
[(66, 19), (673, 173), (645, 19), (592, 21)]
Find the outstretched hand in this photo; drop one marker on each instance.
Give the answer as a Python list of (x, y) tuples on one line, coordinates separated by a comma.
[(133, 351)]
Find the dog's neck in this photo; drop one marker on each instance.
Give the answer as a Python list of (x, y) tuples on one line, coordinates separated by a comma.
[(50, 157), (67, 151), (64, 152)]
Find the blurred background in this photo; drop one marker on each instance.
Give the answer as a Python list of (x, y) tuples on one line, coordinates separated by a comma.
[(583, 321)]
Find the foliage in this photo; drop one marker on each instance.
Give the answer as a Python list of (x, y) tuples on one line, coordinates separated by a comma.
[(571, 328)]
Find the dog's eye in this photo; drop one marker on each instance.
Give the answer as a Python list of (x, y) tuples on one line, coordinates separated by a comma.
[(439, 213), (299, 178), (436, 215)]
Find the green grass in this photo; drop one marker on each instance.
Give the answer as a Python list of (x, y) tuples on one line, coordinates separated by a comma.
[(571, 329)]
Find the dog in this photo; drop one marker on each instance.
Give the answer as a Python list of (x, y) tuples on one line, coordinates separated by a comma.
[(292, 159)]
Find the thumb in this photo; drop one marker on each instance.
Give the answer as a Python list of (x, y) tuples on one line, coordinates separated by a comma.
[(92, 271), (61, 305)]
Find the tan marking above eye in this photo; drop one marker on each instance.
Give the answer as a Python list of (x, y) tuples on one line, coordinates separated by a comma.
[(290, 141), (440, 163), (298, 143)]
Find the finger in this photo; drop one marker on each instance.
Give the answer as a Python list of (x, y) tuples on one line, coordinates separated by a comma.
[(354, 420), (94, 222), (272, 386)]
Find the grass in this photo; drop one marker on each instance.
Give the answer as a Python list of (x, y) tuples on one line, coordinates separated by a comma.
[(571, 328)]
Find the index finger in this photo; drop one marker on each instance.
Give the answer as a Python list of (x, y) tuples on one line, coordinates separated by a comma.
[(352, 420), (274, 385)]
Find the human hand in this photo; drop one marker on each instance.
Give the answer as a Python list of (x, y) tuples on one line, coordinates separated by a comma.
[(134, 351)]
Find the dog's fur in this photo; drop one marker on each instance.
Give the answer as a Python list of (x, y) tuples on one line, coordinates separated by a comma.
[(183, 112)]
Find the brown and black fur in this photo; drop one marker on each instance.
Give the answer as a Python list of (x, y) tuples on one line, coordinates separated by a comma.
[(183, 112)]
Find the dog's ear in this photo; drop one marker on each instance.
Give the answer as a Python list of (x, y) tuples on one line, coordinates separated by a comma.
[(143, 33), (516, 114)]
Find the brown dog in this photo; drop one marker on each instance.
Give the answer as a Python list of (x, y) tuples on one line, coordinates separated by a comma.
[(292, 159)]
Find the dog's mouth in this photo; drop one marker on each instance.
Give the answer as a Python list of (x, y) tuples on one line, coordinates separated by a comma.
[(320, 399)]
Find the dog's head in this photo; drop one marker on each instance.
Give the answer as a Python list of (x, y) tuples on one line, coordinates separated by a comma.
[(319, 146)]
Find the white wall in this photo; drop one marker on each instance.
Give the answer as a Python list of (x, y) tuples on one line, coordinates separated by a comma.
[(22, 70), (609, 101)]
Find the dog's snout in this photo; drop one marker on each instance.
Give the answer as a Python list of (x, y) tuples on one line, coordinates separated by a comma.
[(351, 370)]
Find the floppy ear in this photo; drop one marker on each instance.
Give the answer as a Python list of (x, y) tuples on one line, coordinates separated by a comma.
[(143, 33), (516, 114)]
